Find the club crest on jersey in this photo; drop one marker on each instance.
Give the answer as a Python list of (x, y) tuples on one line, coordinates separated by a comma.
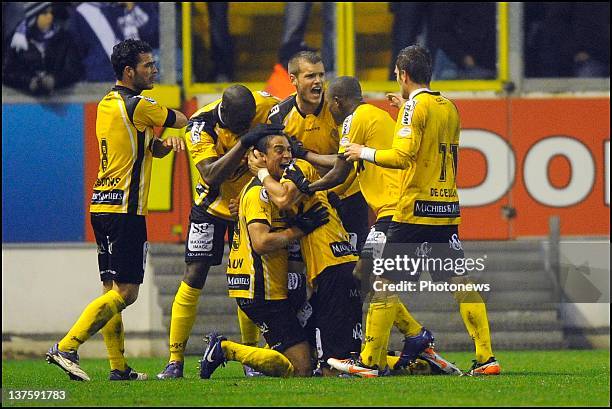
[(263, 195), (346, 125), (404, 132)]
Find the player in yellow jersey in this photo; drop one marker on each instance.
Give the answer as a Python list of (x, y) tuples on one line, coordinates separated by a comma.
[(330, 260), (425, 147), (367, 124), (257, 276), (124, 128), (307, 118), (218, 137)]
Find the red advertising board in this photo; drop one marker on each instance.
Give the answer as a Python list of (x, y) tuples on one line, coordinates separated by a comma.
[(541, 157)]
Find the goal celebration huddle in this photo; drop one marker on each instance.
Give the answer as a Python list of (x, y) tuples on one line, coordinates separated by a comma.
[(291, 184)]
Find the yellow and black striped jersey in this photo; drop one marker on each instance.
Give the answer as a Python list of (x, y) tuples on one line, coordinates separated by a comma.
[(251, 275), (318, 131), (329, 244), (124, 129), (426, 147), (206, 138), (371, 126)]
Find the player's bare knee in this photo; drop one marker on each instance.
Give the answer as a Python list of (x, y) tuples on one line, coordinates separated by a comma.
[(127, 291), (195, 274), (299, 356)]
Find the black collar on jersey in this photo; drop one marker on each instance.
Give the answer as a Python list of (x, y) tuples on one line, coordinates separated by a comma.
[(316, 112), (436, 93), (125, 89)]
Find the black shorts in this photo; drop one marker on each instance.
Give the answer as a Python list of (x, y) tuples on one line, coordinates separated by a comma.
[(276, 320), (439, 244), (373, 248), (376, 239), (336, 313), (206, 237), (122, 246), (296, 289), (354, 216)]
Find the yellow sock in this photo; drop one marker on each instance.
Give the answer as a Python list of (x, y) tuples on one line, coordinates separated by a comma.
[(248, 330), (92, 319), (267, 361), (405, 322), (184, 311), (379, 322), (114, 339), (392, 361), (474, 314)]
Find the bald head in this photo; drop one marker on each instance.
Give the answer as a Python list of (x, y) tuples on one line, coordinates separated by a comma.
[(347, 88), (237, 108), (343, 97)]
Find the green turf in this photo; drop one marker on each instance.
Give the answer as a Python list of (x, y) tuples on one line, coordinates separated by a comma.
[(556, 378)]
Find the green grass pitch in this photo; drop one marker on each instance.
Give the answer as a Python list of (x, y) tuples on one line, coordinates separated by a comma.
[(538, 378)]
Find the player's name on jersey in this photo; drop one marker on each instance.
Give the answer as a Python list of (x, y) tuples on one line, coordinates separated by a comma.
[(435, 192)]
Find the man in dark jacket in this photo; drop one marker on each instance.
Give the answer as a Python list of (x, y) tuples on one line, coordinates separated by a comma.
[(41, 56)]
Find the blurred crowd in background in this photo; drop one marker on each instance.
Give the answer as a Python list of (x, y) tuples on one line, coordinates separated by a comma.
[(49, 46)]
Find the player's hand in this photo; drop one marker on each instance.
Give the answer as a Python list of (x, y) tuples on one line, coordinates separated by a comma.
[(334, 200), (256, 161), (395, 100), (352, 152), (296, 176), (233, 208), (311, 219), (262, 130), (297, 148), (175, 143)]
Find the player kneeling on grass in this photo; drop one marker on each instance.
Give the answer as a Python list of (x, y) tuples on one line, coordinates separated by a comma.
[(257, 276)]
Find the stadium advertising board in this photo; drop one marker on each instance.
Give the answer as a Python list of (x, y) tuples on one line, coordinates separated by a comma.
[(536, 157)]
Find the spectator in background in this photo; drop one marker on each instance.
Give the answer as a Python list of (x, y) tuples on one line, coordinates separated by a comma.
[(567, 39), (41, 56), (463, 36), (296, 18), (409, 23), (99, 26)]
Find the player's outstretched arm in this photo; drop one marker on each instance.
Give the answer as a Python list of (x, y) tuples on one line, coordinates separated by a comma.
[(298, 151), (337, 175), (180, 121)]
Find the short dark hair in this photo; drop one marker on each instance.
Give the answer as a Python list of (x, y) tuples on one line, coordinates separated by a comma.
[(293, 67), (345, 87), (262, 144), (127, 54), (416, 61)]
